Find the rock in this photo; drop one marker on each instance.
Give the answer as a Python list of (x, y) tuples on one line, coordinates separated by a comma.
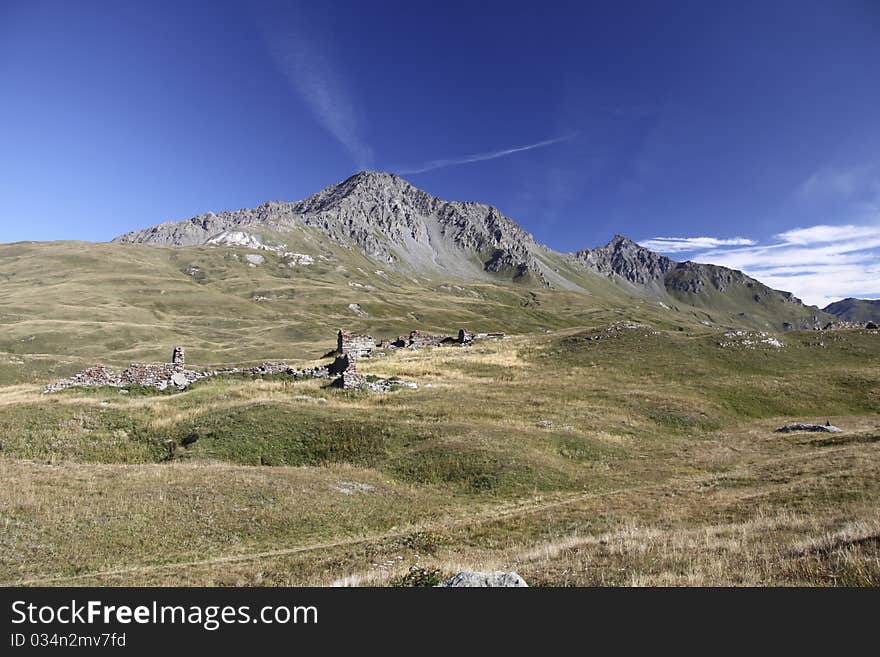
[(484, 579), (357, 310), (827, 428), (255, 258), (294, 259), (237, 238), (750, 340), (179, 379)]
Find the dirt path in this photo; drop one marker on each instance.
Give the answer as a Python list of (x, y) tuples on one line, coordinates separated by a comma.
[(494, 515)]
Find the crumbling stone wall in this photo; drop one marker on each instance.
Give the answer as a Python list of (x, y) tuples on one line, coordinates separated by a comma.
[(350, 346), (163, 376), (351, 378), (417, 340), (354, 344)]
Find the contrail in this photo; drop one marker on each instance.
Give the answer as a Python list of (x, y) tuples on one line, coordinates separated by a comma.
[(479, 157)]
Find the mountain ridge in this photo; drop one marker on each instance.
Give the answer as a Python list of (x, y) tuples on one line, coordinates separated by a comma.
[(388, 218), (405, 228), (855, 310)]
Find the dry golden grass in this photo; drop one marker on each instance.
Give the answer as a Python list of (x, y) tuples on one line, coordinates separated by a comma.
[(608, 464)]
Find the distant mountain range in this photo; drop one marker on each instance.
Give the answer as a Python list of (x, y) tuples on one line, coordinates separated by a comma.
[(404, 229)]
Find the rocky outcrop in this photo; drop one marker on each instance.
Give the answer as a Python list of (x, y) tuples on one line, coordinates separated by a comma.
[(824, 428), (484, 579), (627, 260)]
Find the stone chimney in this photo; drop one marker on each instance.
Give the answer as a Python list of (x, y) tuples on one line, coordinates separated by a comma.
[(178, 358)]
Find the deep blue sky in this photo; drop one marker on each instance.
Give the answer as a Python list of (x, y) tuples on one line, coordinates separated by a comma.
[(667, 119)]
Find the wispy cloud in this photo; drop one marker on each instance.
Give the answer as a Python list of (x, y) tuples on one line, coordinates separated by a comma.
[(685, 244), (308, 66), (819, 264), (478, 157), (821, 234), (856, 185)]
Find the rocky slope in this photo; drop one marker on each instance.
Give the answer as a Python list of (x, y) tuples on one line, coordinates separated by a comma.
[(405, 229), (855, 310), (697, 284), (625, 259), (385, 217)]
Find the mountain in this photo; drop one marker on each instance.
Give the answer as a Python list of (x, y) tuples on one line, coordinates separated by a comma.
[(403, 229), (701, 285), (855, 310), (386, 218)]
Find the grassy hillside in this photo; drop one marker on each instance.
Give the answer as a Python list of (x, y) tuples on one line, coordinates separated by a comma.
[(82, 301), (65, 305), (614, 454)]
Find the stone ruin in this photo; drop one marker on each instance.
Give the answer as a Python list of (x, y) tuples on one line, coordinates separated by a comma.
[(174, 374), (363, 346), (419, 339), (158, 376), (343, 370), (350, 378), (354, 344)]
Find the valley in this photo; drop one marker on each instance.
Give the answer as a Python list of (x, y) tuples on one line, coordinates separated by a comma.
[(621, 432)]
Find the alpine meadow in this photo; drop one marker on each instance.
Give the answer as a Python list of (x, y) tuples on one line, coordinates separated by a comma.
[(381, 387)]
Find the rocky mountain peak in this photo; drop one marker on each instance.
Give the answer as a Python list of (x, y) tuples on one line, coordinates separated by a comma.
[(383, 215), (405, 228), (628, 260), (622, 242)]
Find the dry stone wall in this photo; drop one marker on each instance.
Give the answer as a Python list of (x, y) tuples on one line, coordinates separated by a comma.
[(354, 344), (167, 375), (350, 347)]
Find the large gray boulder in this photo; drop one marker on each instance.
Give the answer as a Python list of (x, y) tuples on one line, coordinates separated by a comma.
[(484, 579), (823, 428)]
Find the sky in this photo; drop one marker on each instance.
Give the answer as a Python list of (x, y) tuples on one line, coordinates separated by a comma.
[(745, 134)]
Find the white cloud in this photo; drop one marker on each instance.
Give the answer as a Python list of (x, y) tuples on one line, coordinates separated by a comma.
[(821, 234), (819, 264), (684, 244), (308, 67), (478, 157)]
